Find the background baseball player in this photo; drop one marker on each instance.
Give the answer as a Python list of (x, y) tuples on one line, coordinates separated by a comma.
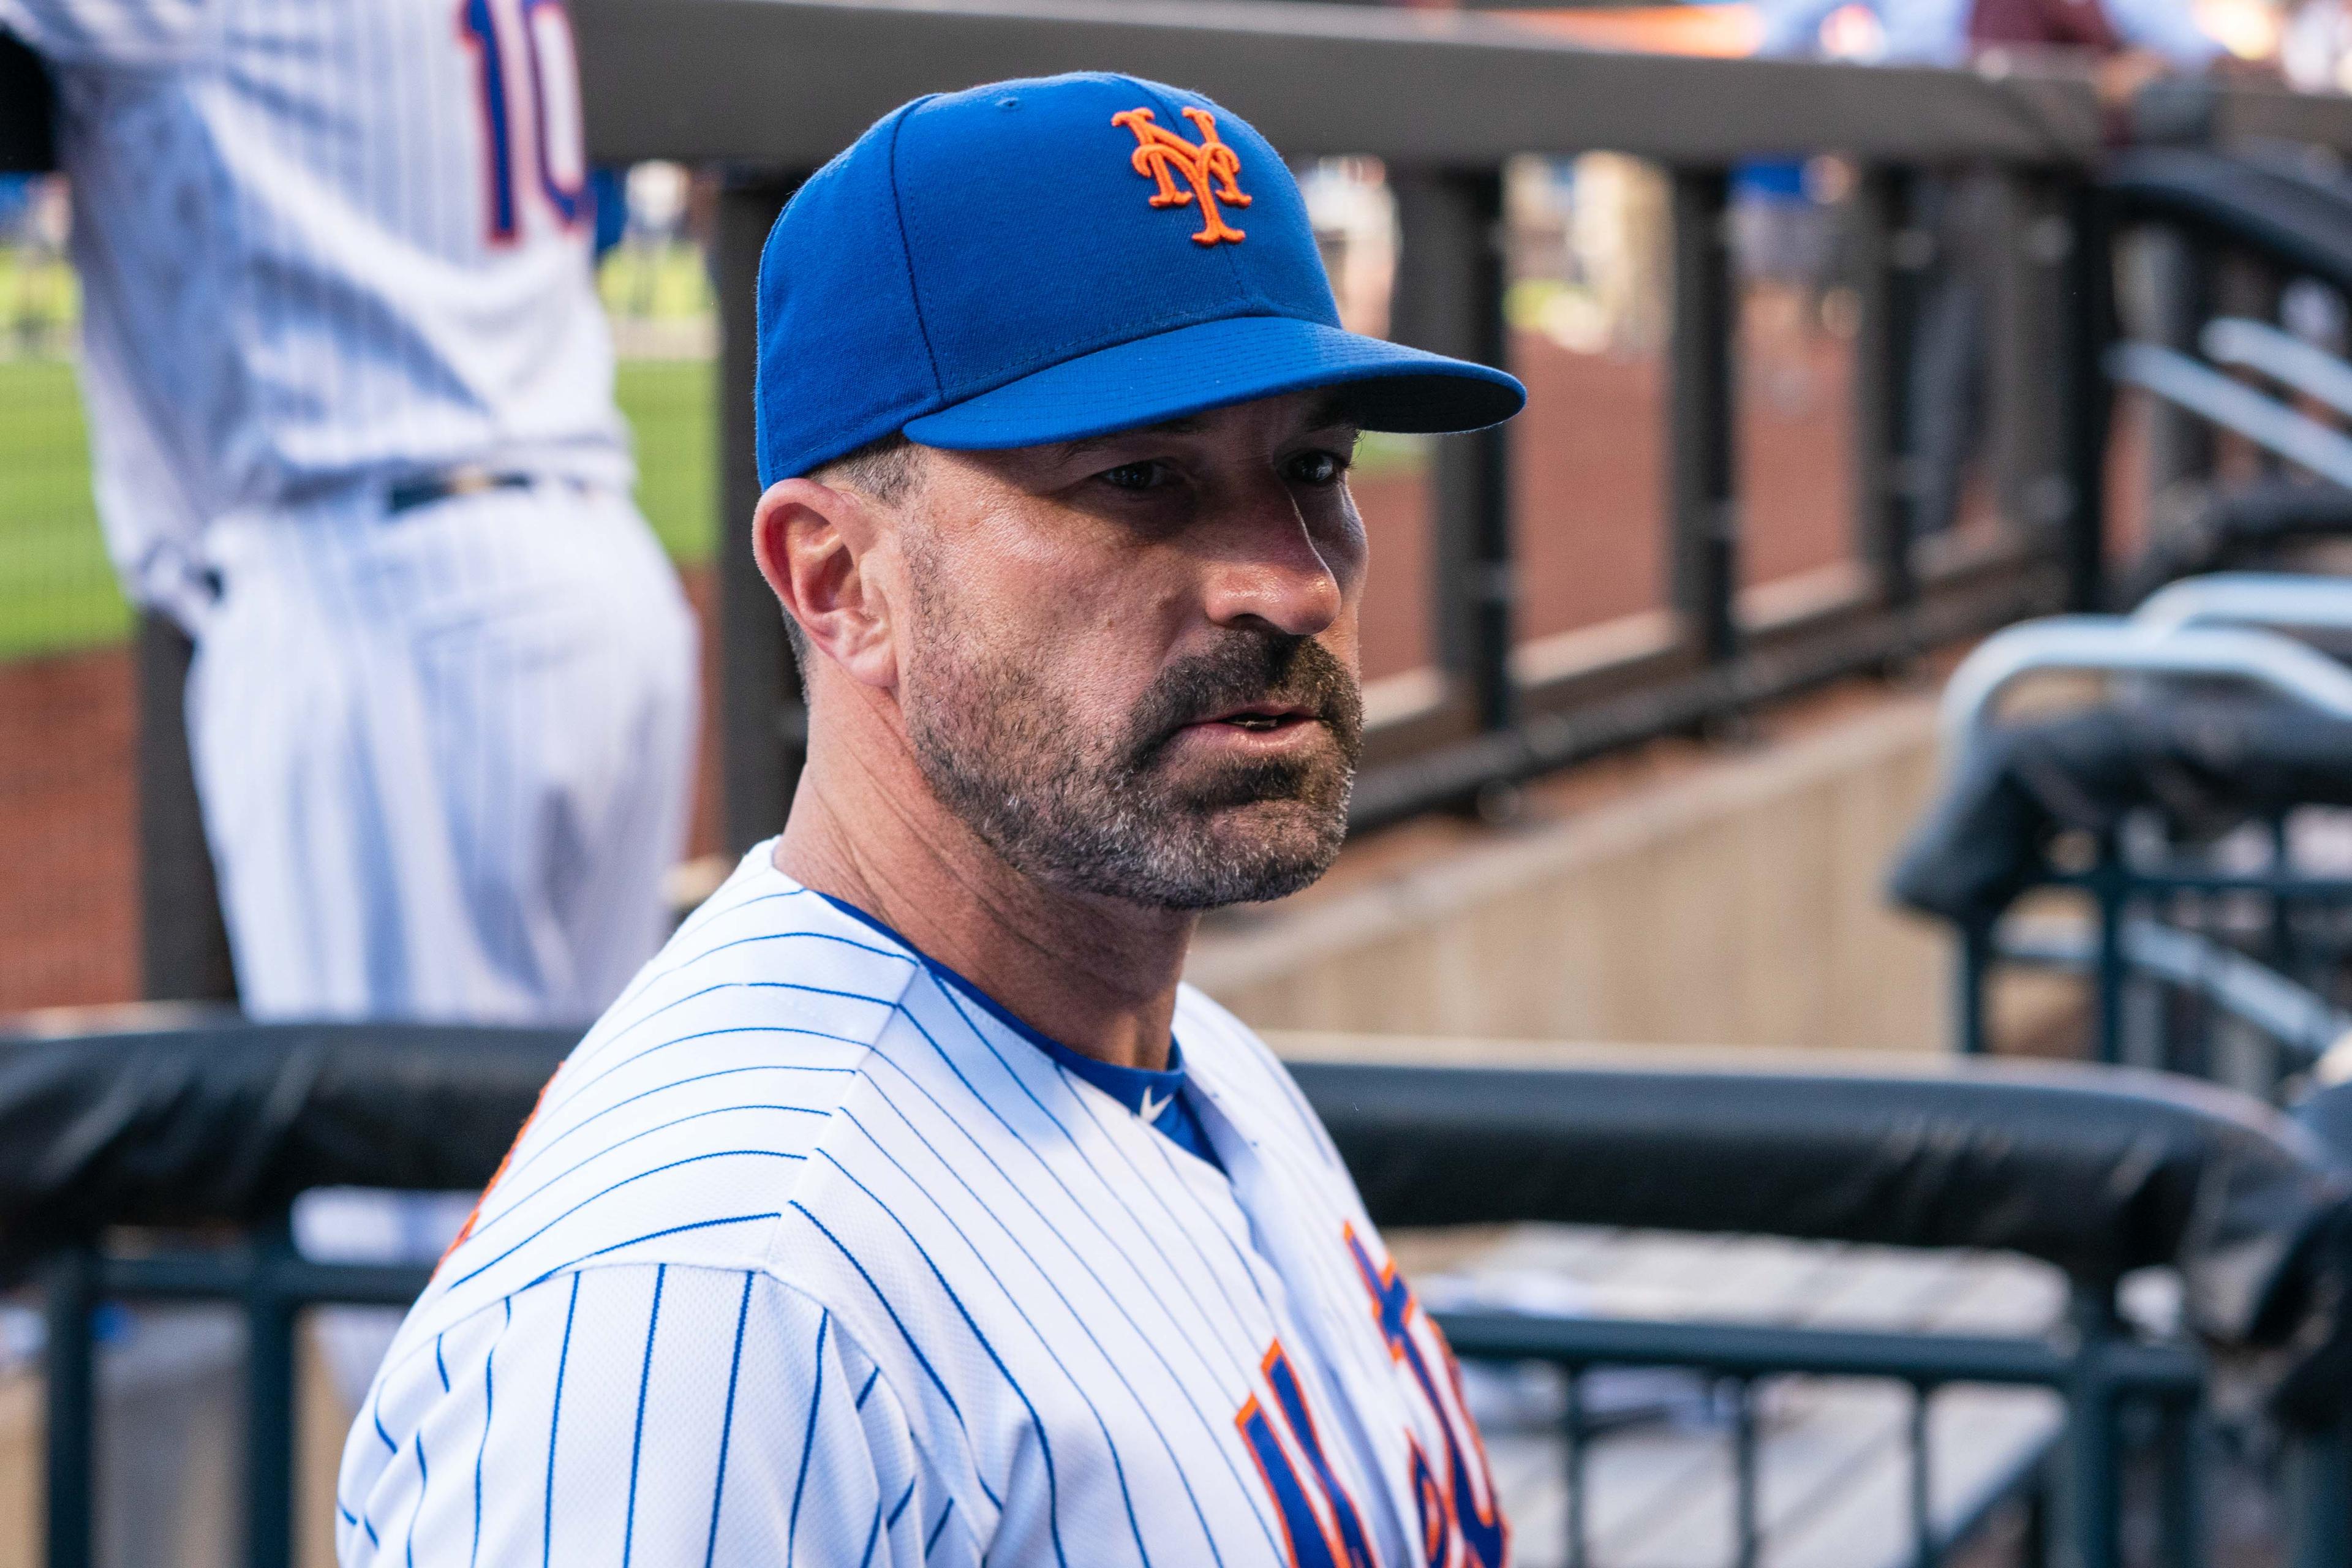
[(906, 1209), (350, 401)]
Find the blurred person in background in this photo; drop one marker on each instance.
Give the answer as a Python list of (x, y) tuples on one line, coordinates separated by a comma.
[(352, 414), (350, 405), (2131, 44)]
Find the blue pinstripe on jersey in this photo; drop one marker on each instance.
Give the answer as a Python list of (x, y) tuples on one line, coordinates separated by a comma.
[(637, 1437), (481, 1452), (950, 1325), (555, 1423), (1116, 1196), (808, 1441), (923, 1360), (1079, 1319), (1045, 1442), (727, 1422)]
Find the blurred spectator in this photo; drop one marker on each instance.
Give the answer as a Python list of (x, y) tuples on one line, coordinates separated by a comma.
[(2133, 41), (2315, 46), (1954, 32)]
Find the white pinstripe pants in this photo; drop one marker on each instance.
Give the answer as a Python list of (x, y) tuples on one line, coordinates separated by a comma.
[(444, 763), (443, 755)]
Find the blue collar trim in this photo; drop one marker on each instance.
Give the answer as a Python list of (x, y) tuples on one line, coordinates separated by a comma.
[(1131, 1086)]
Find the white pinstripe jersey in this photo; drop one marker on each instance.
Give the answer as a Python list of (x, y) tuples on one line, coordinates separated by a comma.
[(810, 1255), (322, 241)]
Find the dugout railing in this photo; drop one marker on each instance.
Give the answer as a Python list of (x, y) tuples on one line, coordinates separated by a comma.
[(768, 88), (163, 1166)]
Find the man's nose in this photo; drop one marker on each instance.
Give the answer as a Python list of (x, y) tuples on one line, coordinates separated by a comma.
[(1270, 572)]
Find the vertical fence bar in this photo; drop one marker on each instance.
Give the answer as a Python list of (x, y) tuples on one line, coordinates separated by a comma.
[(2180, 1507), (1974, 980), (1885, 276), (2084, 407), (2003, 225), (1923, 1518), (2108, 976), (2094, 1475), (269, 1434), (761, 743), (1451, 274), (1701, 364), (2319, 1493), (71, 1396), (2180, 275), (1572, 1428), (2034, 1548), (1743, 1471), (183, 944)]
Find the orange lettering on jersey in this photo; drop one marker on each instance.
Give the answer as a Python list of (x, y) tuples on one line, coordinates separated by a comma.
[(1321, 1527), (1461, 1520), (1208, 166)]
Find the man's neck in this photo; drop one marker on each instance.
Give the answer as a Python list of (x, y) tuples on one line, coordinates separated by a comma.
[(1098, 974)]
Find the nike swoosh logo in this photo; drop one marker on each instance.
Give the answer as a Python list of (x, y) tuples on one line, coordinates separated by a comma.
[(1149, 1109)]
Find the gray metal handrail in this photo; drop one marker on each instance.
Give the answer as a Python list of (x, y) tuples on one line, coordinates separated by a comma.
[(2277, 600), (2305, 1023), (769, 80), (2107, 645), (2269, 424), (2285, 358)]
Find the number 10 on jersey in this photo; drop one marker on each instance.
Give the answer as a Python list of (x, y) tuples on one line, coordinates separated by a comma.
[(528, 81)]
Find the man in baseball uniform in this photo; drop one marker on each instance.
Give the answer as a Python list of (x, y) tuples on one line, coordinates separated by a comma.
[(352, 412), (907, 1209)]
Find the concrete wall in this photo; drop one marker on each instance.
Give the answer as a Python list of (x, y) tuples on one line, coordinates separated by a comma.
[(1739, 903)]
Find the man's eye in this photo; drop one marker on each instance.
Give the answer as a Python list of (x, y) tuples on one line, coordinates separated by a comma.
[(1135, 476), (1317, 468)]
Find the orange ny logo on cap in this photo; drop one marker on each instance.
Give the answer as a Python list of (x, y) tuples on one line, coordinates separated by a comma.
[(1208, 166)]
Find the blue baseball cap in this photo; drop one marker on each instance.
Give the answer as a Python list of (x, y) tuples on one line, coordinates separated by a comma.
[(1051, 260)]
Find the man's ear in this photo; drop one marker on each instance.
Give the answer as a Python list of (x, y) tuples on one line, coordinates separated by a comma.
[(812, 543)]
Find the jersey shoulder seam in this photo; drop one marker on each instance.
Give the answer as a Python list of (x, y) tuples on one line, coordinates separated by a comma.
[(915, 1436)]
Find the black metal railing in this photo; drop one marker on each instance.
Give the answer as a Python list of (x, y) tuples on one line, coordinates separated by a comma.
[(2095, 1364), (190, 1134), (2097, 1174), (1443, 101), (769, 88)]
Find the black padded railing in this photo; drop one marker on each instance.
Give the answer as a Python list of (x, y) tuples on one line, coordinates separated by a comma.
[(187, 1134)]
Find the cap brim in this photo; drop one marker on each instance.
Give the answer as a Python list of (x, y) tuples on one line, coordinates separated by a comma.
[(1215, 364)]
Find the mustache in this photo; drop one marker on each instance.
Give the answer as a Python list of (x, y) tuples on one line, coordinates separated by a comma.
[(1249, 668)]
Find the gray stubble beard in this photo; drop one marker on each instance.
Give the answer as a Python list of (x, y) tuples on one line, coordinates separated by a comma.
[(1014, 766)]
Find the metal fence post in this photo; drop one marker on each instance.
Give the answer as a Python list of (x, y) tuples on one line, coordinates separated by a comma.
[(2084, 400), (2319, 1494), (761, 730), (2092, 1491), (1704, 568), (1975, 960), (2021, 258), (269, 1435), (184, 945), (2108, 889), (1449, 299), (2181, 1507), (71, 1369), (2180, 274), (1885, 271)]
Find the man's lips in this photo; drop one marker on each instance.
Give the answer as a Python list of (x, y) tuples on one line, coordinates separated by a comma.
[(1258, 717)]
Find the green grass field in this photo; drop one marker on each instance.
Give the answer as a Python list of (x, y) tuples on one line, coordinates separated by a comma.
[(56, 589)]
